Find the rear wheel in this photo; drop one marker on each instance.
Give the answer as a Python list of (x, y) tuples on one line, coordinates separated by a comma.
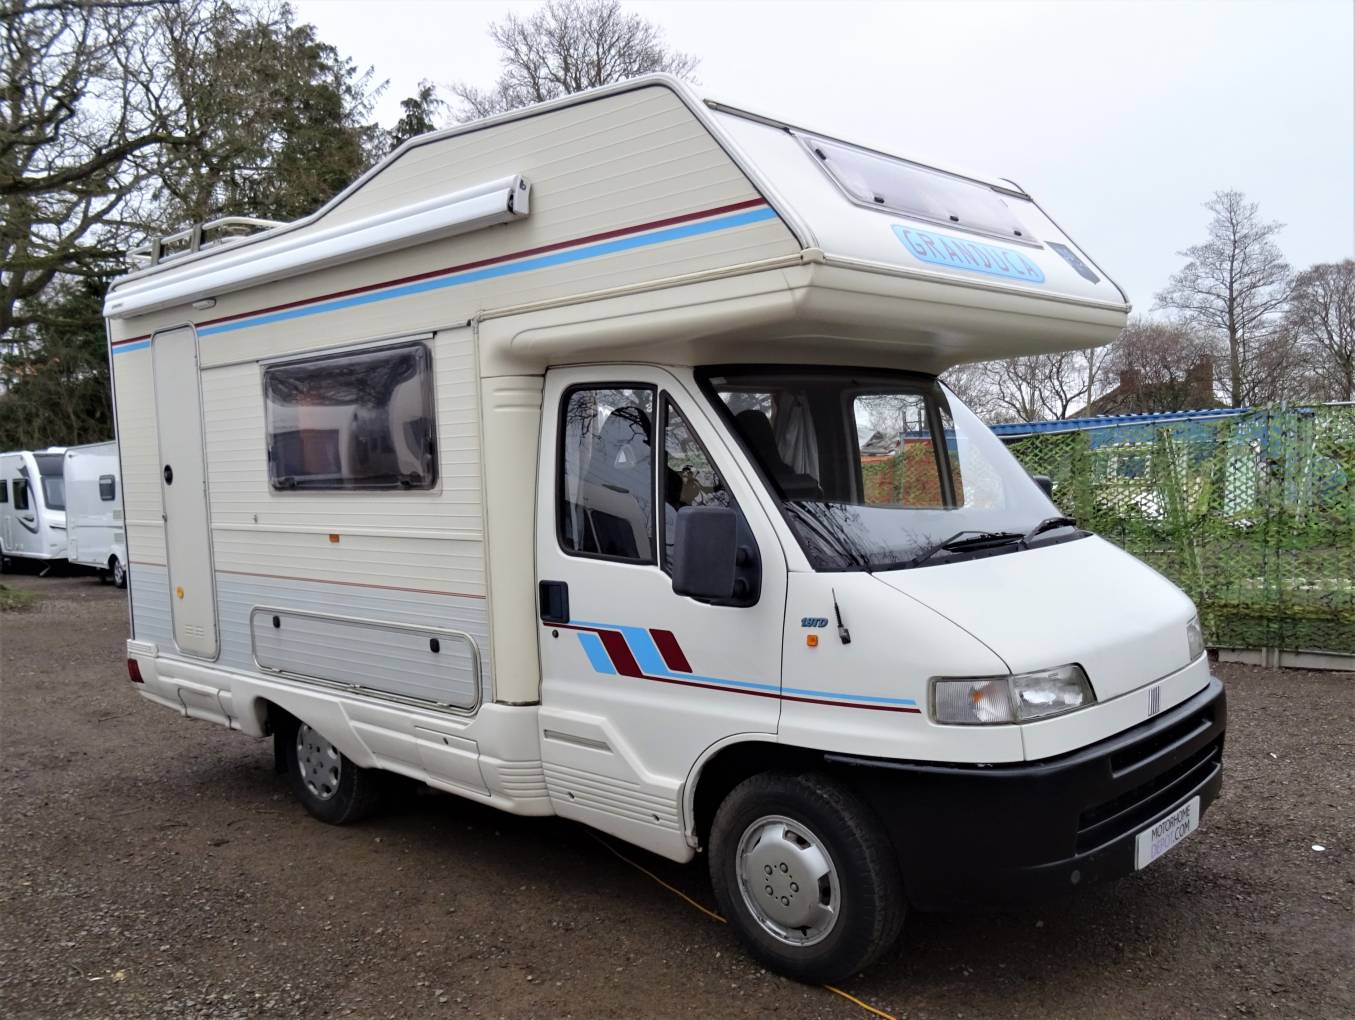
[(805, 874), (325, 780), (117, 572)]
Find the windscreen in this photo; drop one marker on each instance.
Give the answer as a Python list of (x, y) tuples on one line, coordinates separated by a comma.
[(881, 471)]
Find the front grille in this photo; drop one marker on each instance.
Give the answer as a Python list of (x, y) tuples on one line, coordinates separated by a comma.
[(1134, 808), (1142, 751)]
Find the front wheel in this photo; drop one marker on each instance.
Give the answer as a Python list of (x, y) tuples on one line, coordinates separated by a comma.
[(805, 875), (325, 780), (118, 572)]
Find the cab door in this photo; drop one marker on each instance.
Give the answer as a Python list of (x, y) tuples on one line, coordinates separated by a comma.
[(637, 681)]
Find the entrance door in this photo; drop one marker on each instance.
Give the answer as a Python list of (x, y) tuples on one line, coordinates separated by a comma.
[(25, 533), (183, 491), (637, 681)]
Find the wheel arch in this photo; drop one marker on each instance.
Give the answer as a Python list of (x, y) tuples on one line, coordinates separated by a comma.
[(725, 765)]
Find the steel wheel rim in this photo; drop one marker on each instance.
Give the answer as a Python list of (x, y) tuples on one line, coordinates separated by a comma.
[(117, 572), (319, 761), (788, 881)]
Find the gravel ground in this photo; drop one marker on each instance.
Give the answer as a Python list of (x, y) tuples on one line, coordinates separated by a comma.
[(151, 866)]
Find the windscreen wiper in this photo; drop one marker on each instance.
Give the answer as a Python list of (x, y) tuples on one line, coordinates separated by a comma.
[(833, 536), (1048, 524), (957, 543)]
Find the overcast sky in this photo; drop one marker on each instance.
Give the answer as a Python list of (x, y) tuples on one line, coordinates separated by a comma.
[(1120, 118)]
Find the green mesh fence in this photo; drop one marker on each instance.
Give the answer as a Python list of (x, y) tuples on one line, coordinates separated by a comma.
[(1253, 515)]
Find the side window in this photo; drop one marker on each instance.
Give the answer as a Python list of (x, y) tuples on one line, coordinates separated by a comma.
[(108, 488), (20, 494), (689, 478), (778, 427), (606, 468), (362, 420), (900, 466), (4, 491)]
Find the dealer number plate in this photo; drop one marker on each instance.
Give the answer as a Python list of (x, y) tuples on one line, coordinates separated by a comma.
[(1158, 838)]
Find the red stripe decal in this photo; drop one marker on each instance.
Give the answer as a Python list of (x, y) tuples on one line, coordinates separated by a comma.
[(619, 652), (605, 235), (671, 651)]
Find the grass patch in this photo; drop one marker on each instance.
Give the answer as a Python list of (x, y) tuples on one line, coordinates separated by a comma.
[(14, 598)]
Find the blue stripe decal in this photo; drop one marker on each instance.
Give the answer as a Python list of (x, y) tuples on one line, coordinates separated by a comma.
[(649, 660), (591, 251), (597, 655), (140, 345)]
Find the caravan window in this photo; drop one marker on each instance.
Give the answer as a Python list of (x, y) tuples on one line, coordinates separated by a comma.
[(361, 420), (606, 496), (4, 491), (884, 182), (20, 494), (108, 488)]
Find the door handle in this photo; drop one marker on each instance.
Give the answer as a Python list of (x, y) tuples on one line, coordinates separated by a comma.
[(554, 601), (169, 475)]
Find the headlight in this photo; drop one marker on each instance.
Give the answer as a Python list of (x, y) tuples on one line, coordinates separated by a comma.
[(1195, 638), (985, 701)]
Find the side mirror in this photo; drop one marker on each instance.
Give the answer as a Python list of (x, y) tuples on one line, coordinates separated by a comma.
[(705, 551), (1045, 483)]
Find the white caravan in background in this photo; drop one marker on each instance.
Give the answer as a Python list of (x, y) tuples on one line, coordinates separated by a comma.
[(94, 535), (530, 467), (32, 505)]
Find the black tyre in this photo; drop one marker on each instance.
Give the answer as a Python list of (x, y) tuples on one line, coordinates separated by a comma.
[(117, 571), (325, 780), (806, 876)]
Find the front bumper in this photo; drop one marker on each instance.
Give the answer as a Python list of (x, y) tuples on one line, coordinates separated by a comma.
[(978, 836)]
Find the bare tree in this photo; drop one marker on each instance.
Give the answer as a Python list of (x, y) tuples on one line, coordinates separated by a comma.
[(969, 383), (81, 116), (567, 46), (1035, 387), (1157, 366), (1233, 286), (1322, 320)]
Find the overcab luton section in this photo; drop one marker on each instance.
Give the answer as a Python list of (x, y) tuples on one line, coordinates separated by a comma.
[(591, 460)]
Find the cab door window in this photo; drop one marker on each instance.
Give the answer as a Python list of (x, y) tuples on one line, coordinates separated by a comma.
[(606, 471), (688, 479)]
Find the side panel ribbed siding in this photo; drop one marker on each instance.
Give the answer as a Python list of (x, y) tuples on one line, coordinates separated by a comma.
[(614, 164), (407, 557)]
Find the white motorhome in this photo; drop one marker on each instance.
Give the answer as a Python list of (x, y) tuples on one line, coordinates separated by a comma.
[(94, 535), (529, 467), (32, 505)]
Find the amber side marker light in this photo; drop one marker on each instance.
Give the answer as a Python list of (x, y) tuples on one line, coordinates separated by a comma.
[(812, 640), (134, 671)]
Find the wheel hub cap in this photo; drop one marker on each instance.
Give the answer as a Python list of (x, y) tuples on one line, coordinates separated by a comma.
[(788, 880), (319, 762)]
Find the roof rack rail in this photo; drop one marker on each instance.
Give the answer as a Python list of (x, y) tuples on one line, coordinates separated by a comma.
[(210, 234)]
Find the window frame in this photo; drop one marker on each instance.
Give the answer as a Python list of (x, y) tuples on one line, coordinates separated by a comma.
[(112, 481), (424, 340), (935, 425), (559, 501), (810, 143), (666, 402)]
